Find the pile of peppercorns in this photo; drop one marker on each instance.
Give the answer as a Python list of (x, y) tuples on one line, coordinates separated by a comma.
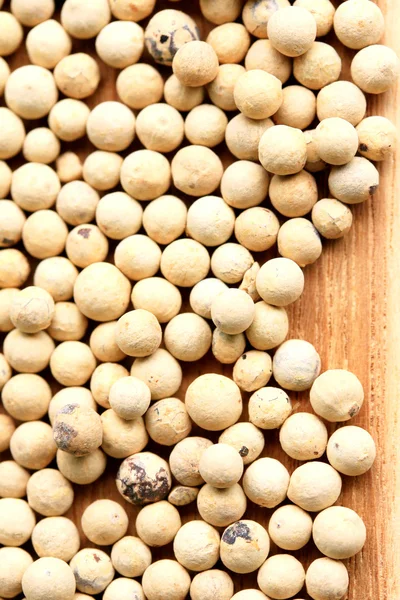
[(167, 232)]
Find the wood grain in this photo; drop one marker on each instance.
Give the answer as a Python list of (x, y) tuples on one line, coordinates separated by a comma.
[(350, 311)]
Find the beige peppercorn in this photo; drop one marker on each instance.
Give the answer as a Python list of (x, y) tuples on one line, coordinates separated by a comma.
[(68, 118), (358, 24), (180, 96), (102, 292), (11, 33), (139, 85), (185, 262), (249, 595), (138, 333), (205, 125), (265, 482), (262, 55), (195, 64), (243, 136), (44, 234), (196, 170), (314, 486), (337, 141), (331, 218), (77, 75), (220, 11), (252, 370), (215, 582), (57, 537), (196, 546), (232, 311), (4, 74), (203, 294), (32, 310), (34, 186), (13, 564), (221, 465), (181, 495), (210, 221), (351, 450), (160, 371), (145, 174), (129, 397), (77, 202), (6, 298), (244, 184), (221, 89), (314, 162), (299, 240), (70, 395), (160, 127), (247, 440), (185, 458), (132, 10), (57, 275), (377, 138), (257, 229), (256, 15), (296, 365), (49, 493), (103, 344), (227, 348), (26, 397), (230, 262), (101, 169), (7, 426), (337, 395), (374, 69), (166, 580), (269, 407), (130, 556), (17, 521), (213, 402), (122, 589), (68, 322), (28, 353), (92, 569), (82, 469), (221, 507), (104, 522), (31, 91), (49, 576), (83, 19), (13, 133), (323, 12), (13, 477), (188, 337), (327, 579), (111, 126), (298, 107), (32, 445), (318, 67), (290, 527), (167, 31), (292, 30), (164, 219), (12, 223), (118, 215), (72, 363), (258, 94), (355, 182), (144, 478), (137, 257), (339, 532), (303, 436), (244, 546), (122, 438), (158, 296), (167, 421), (283, 150), (280, 281), (41, 146), (120, 44), (77, 430), (230, 42), (269, 327), (341, 99), (158, 523), (47, 43), (281, 576)]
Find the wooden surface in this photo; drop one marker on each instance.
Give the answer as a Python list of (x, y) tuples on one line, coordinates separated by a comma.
[(350, 311)]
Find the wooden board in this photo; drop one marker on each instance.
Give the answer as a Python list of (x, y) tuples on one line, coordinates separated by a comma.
[(350, 311)]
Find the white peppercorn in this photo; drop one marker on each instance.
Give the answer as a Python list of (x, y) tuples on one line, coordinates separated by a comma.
[(13, 133), (144, 478), (84, 20), (104, 522), (13, 564), (122, 589), (72, 363), (13, 477), (221, 465), (244, 546), (296, 365), (11, 33), (122, 438), (292, 30), (318, 67), (269, 407), (339, 532), (323, 12), (213, 401), (28, 353), (47, 43), (303, 436), (167, 421), (68, 118), (57, 537), (281, 576), (314, 486), (139, 85), (358, 24), (129, 10), (31, 91), (158, 523), (82, 469), (44, 234), (181, 495), (5, 177), (221, 89), (331, 218), (221, 11), (17, 521), (295, 195), (337, 395), (266, 482), (34, 186), (213, 583), (299, 240), (185, 458), (49, 493), (351, 450), (160, 371), (92, 569), (12, 223), (120, 43), (290, 527), (103, 344), (111, 126), (164, 219), (49, 576), (252, 370), (269, 327), (230, 262), (130, 556), (256, 15), (26, 397), (327, 579), (70, 395), (230, 42), (282, 150), (166, 580), (374, 69), (77, 75), (221, 507)]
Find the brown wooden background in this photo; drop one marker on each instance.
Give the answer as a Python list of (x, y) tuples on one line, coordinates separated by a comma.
[(350, 311)]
